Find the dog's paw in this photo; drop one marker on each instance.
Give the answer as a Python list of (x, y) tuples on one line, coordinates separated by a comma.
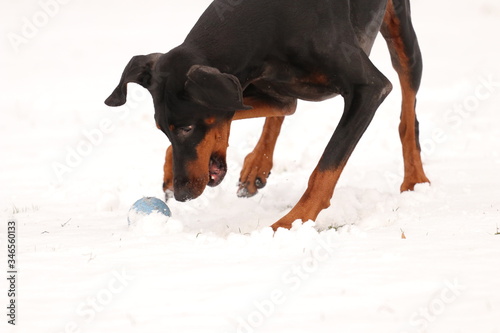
[(253, 177), (410, 182), (248, 190), (169, 194)]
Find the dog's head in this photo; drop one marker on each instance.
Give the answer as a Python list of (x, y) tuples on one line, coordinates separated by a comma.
[(194, 105)]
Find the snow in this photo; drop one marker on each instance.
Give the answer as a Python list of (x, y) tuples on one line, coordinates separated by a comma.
[(72, 167)]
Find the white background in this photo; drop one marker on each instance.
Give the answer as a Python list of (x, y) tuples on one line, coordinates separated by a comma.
[(215, 266)]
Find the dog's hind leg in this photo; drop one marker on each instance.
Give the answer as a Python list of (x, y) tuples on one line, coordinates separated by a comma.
[(406, 58)]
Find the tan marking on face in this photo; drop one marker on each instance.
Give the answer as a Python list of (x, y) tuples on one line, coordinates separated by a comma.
[(215, 142), (210, 121)]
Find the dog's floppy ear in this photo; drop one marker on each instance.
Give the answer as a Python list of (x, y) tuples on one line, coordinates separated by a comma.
[(138, 70), (209, 87)]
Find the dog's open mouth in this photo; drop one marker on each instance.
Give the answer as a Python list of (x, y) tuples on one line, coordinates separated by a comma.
[(217, 169)]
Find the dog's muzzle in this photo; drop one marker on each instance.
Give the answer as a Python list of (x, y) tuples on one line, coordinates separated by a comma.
[(186, 188)]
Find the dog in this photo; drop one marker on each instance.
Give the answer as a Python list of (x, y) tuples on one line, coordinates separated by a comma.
[(255, 58)]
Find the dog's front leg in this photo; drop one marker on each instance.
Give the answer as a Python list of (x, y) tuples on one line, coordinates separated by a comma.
[(168, 174), (258, 164), (365, 93)]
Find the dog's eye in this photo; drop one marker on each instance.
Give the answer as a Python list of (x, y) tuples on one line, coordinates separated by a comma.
[(185, 130)]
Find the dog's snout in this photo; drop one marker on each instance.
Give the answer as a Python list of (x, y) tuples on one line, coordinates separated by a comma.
[(182, 195), (186, 189)]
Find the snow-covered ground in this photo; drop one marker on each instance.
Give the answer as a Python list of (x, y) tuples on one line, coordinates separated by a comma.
[(71, 167)]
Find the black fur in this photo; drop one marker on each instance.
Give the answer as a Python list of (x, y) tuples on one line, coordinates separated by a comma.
[(276, 51)]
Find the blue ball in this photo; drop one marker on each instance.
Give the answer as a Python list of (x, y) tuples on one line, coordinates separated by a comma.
[(146, 206)]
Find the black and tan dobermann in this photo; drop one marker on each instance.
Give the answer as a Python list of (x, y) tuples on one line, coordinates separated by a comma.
[(255, 58)]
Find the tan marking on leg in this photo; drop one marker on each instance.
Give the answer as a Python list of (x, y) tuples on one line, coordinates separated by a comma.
[(259, 162), (316, 198), (263, 109), (168, 171), (414, 172)]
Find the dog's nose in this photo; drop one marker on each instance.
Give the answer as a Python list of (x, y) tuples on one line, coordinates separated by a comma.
[(182, 196), (182, 191), (186, 189)]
